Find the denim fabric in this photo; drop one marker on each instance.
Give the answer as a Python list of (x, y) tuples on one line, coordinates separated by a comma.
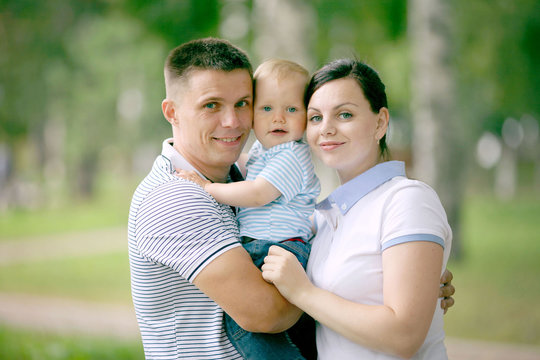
[(259, 345), (258, 249)]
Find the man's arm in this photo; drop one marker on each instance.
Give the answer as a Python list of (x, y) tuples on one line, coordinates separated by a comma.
[(237, 286)]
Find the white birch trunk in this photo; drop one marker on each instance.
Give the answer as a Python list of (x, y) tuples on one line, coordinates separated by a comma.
[(438, 139)]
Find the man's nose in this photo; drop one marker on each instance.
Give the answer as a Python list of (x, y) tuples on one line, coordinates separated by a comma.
[(230, 119)]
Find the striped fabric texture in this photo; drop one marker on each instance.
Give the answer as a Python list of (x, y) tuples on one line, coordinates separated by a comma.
[(175, 229), (289, 168)]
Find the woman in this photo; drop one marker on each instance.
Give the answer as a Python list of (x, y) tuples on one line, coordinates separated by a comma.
[(382, 240)]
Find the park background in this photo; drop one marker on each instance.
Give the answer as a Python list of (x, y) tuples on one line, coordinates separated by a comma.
[(81, 85)]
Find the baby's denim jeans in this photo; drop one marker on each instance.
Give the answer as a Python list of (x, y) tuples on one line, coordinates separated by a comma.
[(260, 345)]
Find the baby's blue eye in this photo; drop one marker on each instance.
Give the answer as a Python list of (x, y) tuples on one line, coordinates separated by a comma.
[(291, 109), (267, 108)]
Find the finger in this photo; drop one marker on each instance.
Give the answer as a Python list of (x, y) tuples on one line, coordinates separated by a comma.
[(267, 276), (276, 250), (447, 276), (447, 291), (447, 303)]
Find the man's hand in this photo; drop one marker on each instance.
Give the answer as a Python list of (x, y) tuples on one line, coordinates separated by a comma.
[(447, 290)]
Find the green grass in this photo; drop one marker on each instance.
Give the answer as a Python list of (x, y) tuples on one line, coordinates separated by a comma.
[(26, 345), (109, 208), (497, 281), (102, 278)]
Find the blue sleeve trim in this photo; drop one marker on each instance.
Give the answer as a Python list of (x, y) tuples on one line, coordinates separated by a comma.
[(411, 238)]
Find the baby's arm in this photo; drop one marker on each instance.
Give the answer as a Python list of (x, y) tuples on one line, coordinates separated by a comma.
[(254, 193)]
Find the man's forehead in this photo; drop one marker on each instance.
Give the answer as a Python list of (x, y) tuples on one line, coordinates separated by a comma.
[(210, 80)]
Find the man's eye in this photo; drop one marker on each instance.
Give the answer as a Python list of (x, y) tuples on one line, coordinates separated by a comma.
[(210, 105), (291, 109), (267, 108), (242, 103)]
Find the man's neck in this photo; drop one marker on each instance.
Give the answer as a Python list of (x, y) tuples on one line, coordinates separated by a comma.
[(214, 174)]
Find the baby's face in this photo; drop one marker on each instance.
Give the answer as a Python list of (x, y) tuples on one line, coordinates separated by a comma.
[(279, 111)]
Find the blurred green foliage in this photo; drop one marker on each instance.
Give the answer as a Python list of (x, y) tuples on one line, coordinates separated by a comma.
[(81, 82)]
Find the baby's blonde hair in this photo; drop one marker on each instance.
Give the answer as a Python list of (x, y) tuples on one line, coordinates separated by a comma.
[(280, 68)]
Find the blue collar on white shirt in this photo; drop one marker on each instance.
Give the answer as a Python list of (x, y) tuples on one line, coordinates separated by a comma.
[(349, 193)]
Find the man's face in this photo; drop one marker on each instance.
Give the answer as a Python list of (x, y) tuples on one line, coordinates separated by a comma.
[(214, 113)]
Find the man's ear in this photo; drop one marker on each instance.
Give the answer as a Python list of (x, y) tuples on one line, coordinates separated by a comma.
[(169, 111)]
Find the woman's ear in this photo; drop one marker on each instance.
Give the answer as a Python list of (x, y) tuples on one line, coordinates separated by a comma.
[(383, 117), (169, 111)]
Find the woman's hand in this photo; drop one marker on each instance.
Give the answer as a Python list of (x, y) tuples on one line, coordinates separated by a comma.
[(447, 290), (282, 269), (192, 176)]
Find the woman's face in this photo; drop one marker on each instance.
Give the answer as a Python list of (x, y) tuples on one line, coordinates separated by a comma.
[(342, 130)]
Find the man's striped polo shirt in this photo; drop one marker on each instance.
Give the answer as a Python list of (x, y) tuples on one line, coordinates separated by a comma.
[(176, 229)]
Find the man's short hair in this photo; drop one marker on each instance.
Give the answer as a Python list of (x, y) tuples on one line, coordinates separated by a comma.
[(203, 54)]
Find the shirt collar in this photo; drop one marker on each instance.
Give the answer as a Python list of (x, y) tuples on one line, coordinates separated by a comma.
[(349, 193), (177, 161)]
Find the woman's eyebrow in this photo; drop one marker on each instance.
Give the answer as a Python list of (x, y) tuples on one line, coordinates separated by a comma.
[(335, 107)]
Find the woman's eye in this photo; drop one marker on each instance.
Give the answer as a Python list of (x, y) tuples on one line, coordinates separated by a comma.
[(267, 108), (345, 115), (291, 109), (315, 118), (210, 105)]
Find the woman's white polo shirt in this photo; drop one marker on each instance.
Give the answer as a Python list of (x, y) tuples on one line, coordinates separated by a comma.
[(355, 224)]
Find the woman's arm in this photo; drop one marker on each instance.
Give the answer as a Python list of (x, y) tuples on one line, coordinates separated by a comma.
[(411, 274), (254, 193)]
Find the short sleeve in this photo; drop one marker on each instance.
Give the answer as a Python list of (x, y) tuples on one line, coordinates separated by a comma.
[(284, 170), (181, 227), (413, 212)]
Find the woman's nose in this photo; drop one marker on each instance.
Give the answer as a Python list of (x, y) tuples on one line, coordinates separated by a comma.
[(327, 128)]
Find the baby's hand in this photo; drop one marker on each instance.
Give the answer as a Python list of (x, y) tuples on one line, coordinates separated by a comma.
[(192, 176)]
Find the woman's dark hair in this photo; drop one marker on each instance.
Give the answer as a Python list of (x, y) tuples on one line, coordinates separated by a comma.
[(367, 78)]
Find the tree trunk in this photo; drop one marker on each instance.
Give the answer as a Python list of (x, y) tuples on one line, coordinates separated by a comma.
[(438, 136), (284, 29)]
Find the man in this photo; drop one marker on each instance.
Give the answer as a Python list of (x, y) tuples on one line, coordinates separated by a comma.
[(187, 265)]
